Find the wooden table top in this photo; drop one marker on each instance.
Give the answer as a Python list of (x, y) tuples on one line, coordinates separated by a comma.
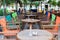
[(30, 15), (34, 34), (30, 20)]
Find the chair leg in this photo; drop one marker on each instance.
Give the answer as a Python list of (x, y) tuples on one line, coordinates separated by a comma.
[(16, 37)]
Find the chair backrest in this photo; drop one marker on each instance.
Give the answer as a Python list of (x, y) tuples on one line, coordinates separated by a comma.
[(14, 15), (8, 18), (53, 17), (57, 23), (3, 24), (46, 13)]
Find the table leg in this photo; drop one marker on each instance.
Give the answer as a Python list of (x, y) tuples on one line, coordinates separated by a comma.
[(30, 30), (28, 17), (30, 26)]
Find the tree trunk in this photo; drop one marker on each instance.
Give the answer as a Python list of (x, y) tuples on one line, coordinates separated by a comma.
[(4, 6)]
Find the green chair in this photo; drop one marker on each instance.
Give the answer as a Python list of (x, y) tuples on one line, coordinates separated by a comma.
[(15, 18), (53, 19), (14, 15)]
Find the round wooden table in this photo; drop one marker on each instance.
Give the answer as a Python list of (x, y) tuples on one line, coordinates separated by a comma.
[(34, 34), (30, 16), (31, 21)]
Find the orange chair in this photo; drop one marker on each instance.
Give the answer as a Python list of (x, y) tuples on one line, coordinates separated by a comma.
[(3, 23), (55, 29), (48, 15), (6, 31), (57, 23)]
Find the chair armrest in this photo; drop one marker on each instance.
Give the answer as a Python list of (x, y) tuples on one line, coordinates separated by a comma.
[(47, 26), (45, 21), (1, 32), (13, 27), (54, 32)]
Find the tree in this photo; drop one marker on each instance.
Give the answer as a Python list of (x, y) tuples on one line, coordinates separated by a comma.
[(58, 3), (52, 2), (24, 1), (0, 2), (8, 1)]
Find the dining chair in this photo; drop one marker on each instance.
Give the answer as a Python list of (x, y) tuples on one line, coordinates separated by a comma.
[(26, 26), (55, 28), (57, 23), (46, 13), (15, 18), (10, 23), (9, 20), (53, 19), (8, 32)]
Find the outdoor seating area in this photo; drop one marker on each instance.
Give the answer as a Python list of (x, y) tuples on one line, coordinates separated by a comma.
[(29, 22), (14, 26)]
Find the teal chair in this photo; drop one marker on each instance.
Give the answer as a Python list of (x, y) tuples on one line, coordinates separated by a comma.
[(10, 24), (8, 18), (53, 19)]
